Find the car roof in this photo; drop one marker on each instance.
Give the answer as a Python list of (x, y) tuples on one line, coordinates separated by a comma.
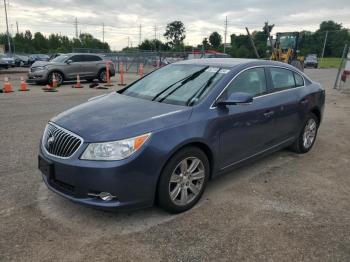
[(232, 62)]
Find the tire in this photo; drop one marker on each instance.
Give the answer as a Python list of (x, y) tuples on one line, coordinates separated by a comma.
[(179, 191), (300, 146), (102, 77), (58, 76)]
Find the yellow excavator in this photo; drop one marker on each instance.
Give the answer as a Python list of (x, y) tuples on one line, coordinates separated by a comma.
[(285, 49)]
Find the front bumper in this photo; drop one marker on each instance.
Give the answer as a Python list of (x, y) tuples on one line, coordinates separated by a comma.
[(37, 76), (132, 181)]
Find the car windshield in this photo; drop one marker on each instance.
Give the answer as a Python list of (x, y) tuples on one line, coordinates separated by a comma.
[(177, 84), (60, 59), (287, 41)]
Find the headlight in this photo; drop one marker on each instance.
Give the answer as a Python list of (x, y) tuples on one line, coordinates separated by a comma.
[(116, 150), (39, 68)]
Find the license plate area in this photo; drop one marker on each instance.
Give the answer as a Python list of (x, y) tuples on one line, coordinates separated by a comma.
[(46, 167)]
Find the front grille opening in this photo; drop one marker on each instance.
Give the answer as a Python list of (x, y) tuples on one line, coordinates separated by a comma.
[(63, 186), (60, 142)]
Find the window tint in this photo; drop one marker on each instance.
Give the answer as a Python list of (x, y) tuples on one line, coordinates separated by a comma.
[(252, 81), (282, 78), (299, 81), (77, 58), (91, 58)]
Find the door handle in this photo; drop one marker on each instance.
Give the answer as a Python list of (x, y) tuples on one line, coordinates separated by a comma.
[(304, 101), (268, 114)]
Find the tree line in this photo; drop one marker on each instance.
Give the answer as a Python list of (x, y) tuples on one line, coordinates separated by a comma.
[(175, 34), (54, 43)]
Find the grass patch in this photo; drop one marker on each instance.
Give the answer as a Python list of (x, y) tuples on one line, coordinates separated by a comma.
[(329, 62)]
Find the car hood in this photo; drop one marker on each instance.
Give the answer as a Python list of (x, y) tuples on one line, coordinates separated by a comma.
[(44, 63), (115, 116)]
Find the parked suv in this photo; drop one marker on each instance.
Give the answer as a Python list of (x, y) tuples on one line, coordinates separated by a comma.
[(67, 67), (311, 61)]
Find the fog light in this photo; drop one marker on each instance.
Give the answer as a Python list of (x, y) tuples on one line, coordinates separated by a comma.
[(105, 196)]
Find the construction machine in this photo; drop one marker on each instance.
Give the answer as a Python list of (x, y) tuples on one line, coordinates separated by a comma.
[(285, 49)]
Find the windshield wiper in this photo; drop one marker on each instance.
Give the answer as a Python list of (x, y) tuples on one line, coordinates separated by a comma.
[(183, 81), (201, 90)]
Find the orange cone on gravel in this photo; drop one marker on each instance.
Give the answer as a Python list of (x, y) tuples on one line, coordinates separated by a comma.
[(7, 86), (23, 85), (78, 84), (54, 81), (121, 72)]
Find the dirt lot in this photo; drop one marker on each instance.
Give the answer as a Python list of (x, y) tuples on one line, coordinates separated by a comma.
[(285, 207)]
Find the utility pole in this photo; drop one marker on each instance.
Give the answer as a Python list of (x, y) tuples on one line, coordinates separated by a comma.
[(76, 27), (128, 41), (324, 45), (103, 32), (7, 29), (155, 37), (140, 32), (252, 43), (17, 27), (225, 35)]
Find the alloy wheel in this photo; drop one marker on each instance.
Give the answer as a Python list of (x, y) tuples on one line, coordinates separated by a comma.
[(309, 133), (186, 181)]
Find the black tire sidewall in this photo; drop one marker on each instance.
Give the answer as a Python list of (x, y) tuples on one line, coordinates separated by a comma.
[(100, 76), (49, 78), (163, 197)]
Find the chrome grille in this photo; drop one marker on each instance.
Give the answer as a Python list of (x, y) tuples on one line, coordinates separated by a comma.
[(60, 142)]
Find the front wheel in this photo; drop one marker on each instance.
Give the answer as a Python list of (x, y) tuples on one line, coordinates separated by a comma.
[(102, 76), (58, 77), (183, 180), (307, 136)]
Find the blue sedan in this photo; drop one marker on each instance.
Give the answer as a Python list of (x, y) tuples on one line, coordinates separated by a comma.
[(163, 137)]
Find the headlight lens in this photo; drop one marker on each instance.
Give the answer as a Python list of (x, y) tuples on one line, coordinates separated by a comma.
[(38, 68), (115, 150)]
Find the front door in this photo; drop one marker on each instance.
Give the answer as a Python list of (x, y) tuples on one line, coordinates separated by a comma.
[(245, 129)]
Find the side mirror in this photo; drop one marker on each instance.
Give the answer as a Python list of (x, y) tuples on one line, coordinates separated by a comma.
[(69, 61), (236, 98)]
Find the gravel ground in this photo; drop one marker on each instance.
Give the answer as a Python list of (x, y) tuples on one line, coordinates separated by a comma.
[(284, 207)]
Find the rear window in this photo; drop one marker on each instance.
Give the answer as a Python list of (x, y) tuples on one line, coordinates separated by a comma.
[(282, 78), (299, 80)]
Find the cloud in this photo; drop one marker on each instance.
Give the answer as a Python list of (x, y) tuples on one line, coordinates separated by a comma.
[(122, 18)]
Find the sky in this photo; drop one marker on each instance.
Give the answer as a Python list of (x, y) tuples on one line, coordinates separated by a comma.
[(122, 18)]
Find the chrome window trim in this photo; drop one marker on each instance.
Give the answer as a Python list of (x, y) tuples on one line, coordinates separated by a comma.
[(65, 130), (271, 93)]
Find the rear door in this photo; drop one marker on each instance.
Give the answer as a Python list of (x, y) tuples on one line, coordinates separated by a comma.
[(283, 99), (90, 65)]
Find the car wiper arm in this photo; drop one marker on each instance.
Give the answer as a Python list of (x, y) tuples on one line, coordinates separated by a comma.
[(183, 81), (201, 90)]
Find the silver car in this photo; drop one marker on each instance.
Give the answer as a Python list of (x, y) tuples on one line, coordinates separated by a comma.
[(67, 67)]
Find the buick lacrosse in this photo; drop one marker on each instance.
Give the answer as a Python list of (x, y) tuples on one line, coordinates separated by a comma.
[(163, 137)]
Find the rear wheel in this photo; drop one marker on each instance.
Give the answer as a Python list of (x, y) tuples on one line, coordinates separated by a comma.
[(183, 180), (102, 76), (307, 135)]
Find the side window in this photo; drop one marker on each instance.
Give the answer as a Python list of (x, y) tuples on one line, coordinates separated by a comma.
[(282, 78), (92, 58), (77, 58), (299, 80), (252, 81)]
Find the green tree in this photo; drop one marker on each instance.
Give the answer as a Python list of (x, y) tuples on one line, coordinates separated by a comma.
[(215, 40), (205, 44), (175, 34)]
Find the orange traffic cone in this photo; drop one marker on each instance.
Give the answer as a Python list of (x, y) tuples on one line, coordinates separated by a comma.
[(23, 86), (108, 77), (141, 70), (7, 86), (121, 72), (54, 81), (78, 84)]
